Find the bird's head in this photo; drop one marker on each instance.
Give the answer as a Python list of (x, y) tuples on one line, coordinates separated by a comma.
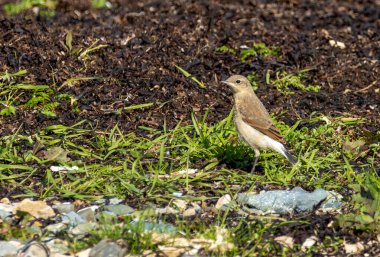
[(238, 84)]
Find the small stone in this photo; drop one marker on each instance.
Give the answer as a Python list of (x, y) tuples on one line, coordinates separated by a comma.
[(107, 248), (35, 249), (189, 212), (58, 246), (119, 209), (83, 229), (101, 201), (166, 210), (84, 253), (38, 209), (56, 228), (6, 207), (353, 248), (5, 200), (288, 241), (309, 242), (223, 202), (115, 200), (5, 214), (9, 248), (63, 208), (337, 44), (88, 213), (180, 204), (72, 219)]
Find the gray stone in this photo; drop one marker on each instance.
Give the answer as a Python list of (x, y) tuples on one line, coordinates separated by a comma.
[(100, 201), (107, 248), (63, 208), (83, 229), (5, 214), (283, 201), (119, 209), (72, 219), (163, 228), (333, 201), (115, 200), (9, 248), (56, 228), (58, 246), (35, 249), (88, 213), (6, 207)]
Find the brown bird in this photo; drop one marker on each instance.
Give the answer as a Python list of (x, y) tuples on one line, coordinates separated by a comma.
[(252, 120)]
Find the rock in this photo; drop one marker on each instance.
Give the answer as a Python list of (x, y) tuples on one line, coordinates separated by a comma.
[(107, 248), (72, 219), (5, 214), (83, 229), (337, 44), (5, 201), (9, 248), (223, 202), (180, 204), (38, 209), (35, 249), (287, 241), (353, 248), (56, 228), (119, 209), (283, 201), (189, 212), (84, 253), (63, 208), (166, 210), (58, 246), (88, 213), (6, 207), (163, 228), (333, 201), (309, 242), (115, 200)]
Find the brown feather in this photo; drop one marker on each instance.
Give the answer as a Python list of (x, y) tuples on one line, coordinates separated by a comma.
[(258, 117)]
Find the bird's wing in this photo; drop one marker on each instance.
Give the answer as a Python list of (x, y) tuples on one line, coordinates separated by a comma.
[(261, 121)]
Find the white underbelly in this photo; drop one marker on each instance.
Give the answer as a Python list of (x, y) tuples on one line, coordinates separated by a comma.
[(257, 139)]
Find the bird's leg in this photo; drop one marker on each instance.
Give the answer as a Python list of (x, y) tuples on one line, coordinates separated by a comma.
[(257, 155)]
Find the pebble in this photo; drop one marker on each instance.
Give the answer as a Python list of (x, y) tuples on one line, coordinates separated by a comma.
[(72, 219), (223, 202), (284, 201), (107, 248), (38, 209), (9, 248), (63, 208), (35, 249), (119, 209), (189, 212), (88, 213), (115, 200), (83, 229)]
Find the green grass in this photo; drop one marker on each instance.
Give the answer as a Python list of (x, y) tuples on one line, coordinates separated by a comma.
[(146, 169), (115, 163), (45, 7)]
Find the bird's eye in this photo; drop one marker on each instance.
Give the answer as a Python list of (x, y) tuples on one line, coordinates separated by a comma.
[(238, 81)]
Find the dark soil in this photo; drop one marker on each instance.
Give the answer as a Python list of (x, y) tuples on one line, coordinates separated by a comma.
[(146, 39)]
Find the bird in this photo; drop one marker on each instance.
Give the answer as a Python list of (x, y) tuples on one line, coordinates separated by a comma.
[(253, 122)]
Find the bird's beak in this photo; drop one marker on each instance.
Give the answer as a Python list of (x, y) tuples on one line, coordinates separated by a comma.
[(227, 83)]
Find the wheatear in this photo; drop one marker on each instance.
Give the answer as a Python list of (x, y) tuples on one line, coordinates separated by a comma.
[(252, 120)]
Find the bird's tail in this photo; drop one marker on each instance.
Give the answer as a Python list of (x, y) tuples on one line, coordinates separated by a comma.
[(290, 157)]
